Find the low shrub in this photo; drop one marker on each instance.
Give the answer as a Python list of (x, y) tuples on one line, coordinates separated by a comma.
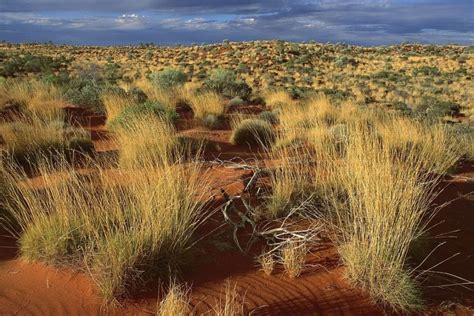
[(85, 93), (168, 79), (211, 121), (225, 83)]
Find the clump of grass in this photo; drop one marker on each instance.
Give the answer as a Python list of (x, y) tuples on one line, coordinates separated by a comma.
[(170, 98), (253, 132), (130, 113), (231, 304), (381, 214), (269, 116), (34, 97), (278, 99), (290, 181), (34, 136), (176, 302), (147, 139), (437, 150), (267, 262), (125, 228), (235, 102), (115, 104), (293, 255), (207, 103), (4, 183)]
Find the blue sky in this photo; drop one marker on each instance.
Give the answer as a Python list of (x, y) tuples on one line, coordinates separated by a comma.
[(118, 22)]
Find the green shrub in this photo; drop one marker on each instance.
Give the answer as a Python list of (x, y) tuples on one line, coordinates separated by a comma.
[(168, 78), (144, 109), (225, 83), (253, 132), (85, 93)]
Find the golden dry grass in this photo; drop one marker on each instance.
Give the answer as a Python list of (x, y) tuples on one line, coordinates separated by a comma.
[(114, 104), (146, 140), (176, 302), (232, 303), (36, 97), (123, 228), (278, 99), (267, 263), (293, 255), (207, 103)]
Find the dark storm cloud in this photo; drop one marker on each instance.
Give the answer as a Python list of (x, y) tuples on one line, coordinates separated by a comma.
[(367, 22), (187, 6)]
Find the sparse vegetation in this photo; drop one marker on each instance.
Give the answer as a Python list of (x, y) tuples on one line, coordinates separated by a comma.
[(330, 145)]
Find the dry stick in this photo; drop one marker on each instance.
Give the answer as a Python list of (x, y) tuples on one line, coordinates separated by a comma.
[(275, 237)]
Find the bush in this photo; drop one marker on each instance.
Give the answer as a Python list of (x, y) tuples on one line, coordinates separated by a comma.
[(144, 109), (253, 132), (168, 78), (86, 93), (225, 83)]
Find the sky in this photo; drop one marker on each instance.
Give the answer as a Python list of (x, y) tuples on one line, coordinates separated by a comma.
[(167, 22)]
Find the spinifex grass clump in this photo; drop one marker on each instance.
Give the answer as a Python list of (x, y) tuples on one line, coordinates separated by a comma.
[(149, 108), (380, 212), (253, 132), (146, 139), (290, 180), (32, 97), (115, 104), (176, 302), (124, 227), (33, 137), (208, 107)]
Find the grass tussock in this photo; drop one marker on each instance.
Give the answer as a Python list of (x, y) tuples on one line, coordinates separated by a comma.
[(253, 132), (380, 212), (34, 96), (267, 262), (289, 181), (114, 104), (124, 228), (232, 302), (278, 99), (176, 302), (34, 137), (293, 256), (147, 140), (207, 103), (373, 182)]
